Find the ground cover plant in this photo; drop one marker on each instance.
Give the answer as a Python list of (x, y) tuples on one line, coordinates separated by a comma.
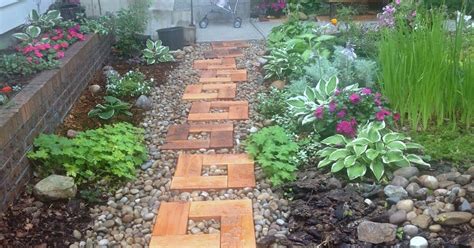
[(132, 84), (112, 107)]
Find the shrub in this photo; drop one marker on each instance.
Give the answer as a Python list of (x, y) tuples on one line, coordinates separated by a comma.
[(12, 65), (128, 23), (272, 103), (273, 149), (374, 147), (132, 84), (110, 153), (282, 63), (156, 52), (112, 107)]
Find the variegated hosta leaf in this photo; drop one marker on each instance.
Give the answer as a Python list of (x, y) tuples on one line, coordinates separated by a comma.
[(417, 160), (335, 140)]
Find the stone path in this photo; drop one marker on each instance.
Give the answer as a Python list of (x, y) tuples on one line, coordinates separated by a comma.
[(219, 77)]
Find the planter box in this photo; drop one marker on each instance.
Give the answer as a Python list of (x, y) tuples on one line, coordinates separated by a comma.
[(41, 106)]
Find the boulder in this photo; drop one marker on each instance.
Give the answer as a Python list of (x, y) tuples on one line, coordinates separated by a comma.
[(94, 89), (143, 102), (453, 218), (279, 84), (55, 187), (429, 181), (395, 191), (376, 233)]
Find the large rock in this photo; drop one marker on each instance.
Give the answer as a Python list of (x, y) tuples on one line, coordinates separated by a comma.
[(407, 172), (453, 218), (144, 103), (429, 181), (422, 221), (395, 191), (55, 187), (376, 233), (279, 84)]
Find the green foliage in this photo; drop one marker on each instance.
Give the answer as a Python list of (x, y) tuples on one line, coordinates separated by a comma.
[(101, 25), (287, 31), (112, 107), (305, 6), (374, 147), (156, 52), (451, 5), (447, 144), (352, 69), (424, 74), (15, 65), (31, 33), (132, 84), (110, 153), (273, 149), (281, 63), (308, 148), (272, 103), (128, 23), (46, 21)]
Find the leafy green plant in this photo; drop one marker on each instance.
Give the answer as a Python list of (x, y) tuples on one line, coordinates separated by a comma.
[(274, 150), (287, 31), (110, 153), (374, 147), (128, 24), (156, 52), (112, 107), (46, 21), (281, 64), (132, 84), (101, 25), (272, 103), (31, 33), (16, 64)]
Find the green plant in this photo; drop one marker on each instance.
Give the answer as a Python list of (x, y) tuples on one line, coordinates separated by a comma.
[(110, 153), (16, 64), (287, 31), (156, 52), (374, 147), (31, 33), (281, 64), (46, 21), (273, 149), (128, 23), (101, 25), (272, 103), (132, 84), (112, 107)]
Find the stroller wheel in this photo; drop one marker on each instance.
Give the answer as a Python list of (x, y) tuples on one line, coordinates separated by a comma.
[(237, 22), (203, 23)]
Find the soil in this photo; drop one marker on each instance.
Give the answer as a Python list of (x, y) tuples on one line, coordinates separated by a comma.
[(31, 223)]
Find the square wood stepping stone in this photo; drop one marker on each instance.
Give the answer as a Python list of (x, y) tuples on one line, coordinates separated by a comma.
[(210, 91), (213, 76), (215, 64), (233, 110), (240, 172), (236, 217), (219, 136), (224, 53), (229, 44)]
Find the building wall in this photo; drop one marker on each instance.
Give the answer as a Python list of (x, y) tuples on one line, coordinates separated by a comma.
[(15, 12)]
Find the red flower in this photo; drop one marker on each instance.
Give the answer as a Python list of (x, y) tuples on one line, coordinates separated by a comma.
[(332, 106), (64, 44), (6, 89), (341, 114), (396, 116), (381, 114), (57, 47), (38, 54), (60, 54)]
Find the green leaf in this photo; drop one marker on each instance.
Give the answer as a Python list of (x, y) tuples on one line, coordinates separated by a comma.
[(360, 141), (358, 170), (324, 162), (417, 160), (393, 156), (334, 140), (34, 16), (377, 168), (337, 166), (331, 86), (107, 114), (359, 150), (350, 161), (33, 31), (371, 154), (339, 154), (150, 44), (411, 145), (373, 135), (21, 36), (389, 137), (296, 102), (396, 145), (325, 152), (309, 93)]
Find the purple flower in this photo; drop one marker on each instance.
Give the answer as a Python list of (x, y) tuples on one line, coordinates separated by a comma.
[(346, 128), (337, 92), (332, 106), (366, 91), (341, 114), (355, 98), (319, 113), (397, 1), (381, 114)]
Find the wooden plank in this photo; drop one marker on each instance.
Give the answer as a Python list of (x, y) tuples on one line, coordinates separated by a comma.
[(186, 241), (218, 86), (223, 67), (239, 112), (177, 132), (222, 139), (172, 219), (227, 104), (186, 145), (237, 231), (235, 75), (227, 93), (188, 165), (201, 96), (240, 175), (196, 128), (200, 107), (226, 159), (193, 89), (199, 183), (208, 116), (216, 209), (211, 80), (226, 44)]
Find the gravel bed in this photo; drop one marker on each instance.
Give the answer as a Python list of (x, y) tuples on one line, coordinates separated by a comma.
[(128, 217)]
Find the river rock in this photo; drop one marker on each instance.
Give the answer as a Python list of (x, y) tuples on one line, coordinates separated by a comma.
[(143, 102), (412, 188), (279, 84), (406, 205), (470, 171), (435, 228), (399, 181), (422, 221), (463, 179), (376, 233), (407, 172), (55, 187), (410, 230), (398, 217), (94, 89), (465, 206), (453, 218), (418, 242), (429, 181), (395, 191)]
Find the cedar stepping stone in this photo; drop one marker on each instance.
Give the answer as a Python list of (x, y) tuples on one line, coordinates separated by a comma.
[(210, 91), (223, 53), (236, 110), (217, 76), (229, 44), (220, 136), (236, 217), (240, 172), (215, 64)]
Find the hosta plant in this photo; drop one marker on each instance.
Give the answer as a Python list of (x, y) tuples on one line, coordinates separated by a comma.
[(112, 107), (31, 33), (281, 64), (156, 52), (375, 148)]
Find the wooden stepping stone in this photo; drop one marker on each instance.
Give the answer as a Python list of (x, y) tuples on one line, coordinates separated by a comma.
[(215, 64), (223, 53), (220, 136), (210, 91), (236, 217), (235, 110), (240, 172), (229, 44), (213, 76)]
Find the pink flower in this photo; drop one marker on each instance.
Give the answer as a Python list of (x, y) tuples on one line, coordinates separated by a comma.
[(378, 102), (29, 59), (396, 116), (80, 37), (337, 92), (397, 1), (47, 45), (332, 106), (319, 113), (341, 114), (378, 95), (355, 98), (366, 91), (346, 128), (38, 54), (57, 47), (60, 54), (55, 38), (69, 37), (381, 114), (64, 44), (28, 49)]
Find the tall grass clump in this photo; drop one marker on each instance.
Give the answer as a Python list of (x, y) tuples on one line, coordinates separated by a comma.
[(423, 71)]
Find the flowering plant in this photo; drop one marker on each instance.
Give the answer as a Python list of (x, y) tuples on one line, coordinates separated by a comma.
[(275, 6), (399, 10), (132, 84)]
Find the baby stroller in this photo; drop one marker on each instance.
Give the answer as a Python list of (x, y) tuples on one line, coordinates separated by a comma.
[(224, 5)]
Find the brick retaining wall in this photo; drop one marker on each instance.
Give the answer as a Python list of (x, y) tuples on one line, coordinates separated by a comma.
[(40, 107)]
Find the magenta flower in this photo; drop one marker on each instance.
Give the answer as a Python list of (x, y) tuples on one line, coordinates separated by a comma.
[(319, 113), (337, 92), (381, 114), (346, 128), (396, 116), (332, 106), (355, 98), (366, 91), (341, 114)]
